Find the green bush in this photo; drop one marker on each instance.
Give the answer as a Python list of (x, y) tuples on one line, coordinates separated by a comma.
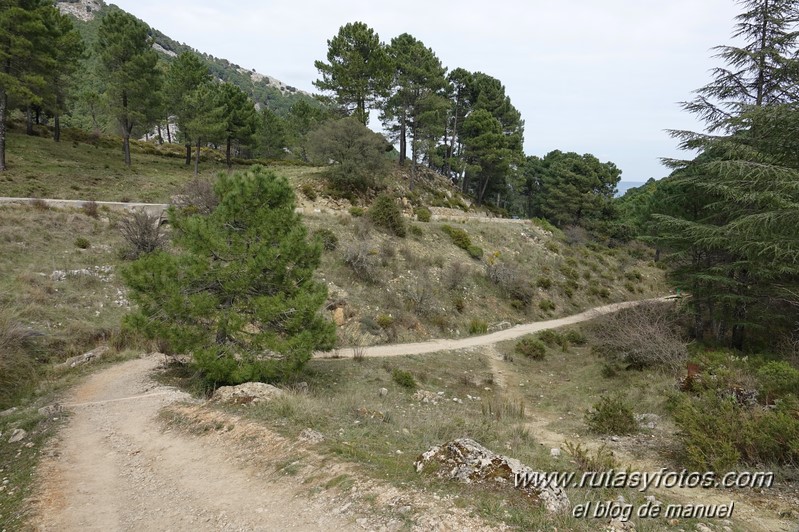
[(531, 347), (357, 212), (546, 305), (544, 282), (458, 236), (415, 230), (385, 321), (404, 379), (478, 327), (551, 337), (718, 433), (778, 378), (475, 252), (612, 415), (385, 213), (575, 337), (327, 237), (82, 243), (308, 191), (423, 214)]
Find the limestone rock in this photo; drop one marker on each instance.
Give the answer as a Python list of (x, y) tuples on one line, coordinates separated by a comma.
[(467, 461), (85, 358), (383, 392), (249, 392), (311, 436), (17, 435), (50, 410)]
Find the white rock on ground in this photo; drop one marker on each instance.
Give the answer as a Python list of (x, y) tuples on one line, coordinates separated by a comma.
[(249, 392), (469, 462)]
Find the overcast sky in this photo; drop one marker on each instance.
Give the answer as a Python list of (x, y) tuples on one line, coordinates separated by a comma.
[(603, 77)]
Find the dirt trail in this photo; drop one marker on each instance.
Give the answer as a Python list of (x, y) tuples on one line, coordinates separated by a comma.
[(113, 468), (433, 346)]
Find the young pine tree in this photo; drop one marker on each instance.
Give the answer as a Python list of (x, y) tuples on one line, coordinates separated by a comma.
[(239, 293)]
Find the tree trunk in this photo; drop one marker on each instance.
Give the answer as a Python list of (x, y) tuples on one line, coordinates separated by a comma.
[(197, 159), (160, 135), (3, 105), (126, 147), (403, 151), (227, 154), (188, 154), (57, 127), (168, 131), (29, 121)]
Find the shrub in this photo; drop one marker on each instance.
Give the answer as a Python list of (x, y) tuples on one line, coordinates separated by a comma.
[(18, 369), (778, 378), (91, 209), (327, 237), (531, 347), (478, 327), (575, 337), (511, 280), (645, 335), (612, 415), (546, 305), (403, 378), (551, 337), (357, 212), (308, 191), (197, 196), (423, 214), (458, 236), (362, 263), (544, 282), (385, 213), (718, 433), (40, 204), (385, 321), (456, 275), (82, 242), (415, 230), (142, 232), (475, 252)]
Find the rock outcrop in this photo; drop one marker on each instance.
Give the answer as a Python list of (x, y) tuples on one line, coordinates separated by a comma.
[(467, 461), (249, 392)]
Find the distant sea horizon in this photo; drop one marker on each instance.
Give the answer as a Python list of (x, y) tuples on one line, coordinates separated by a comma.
[(624, 186)]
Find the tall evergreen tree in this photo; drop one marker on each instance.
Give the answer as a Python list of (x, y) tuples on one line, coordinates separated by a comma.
[(416, 107), (239, 118), (486, 152), (67, 49), (725, 218), (207, 119), (357, 69), (186, 73), (131, 76)]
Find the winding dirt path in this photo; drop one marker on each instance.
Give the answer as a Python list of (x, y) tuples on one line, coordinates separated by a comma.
[(114, 468), (433, 346)]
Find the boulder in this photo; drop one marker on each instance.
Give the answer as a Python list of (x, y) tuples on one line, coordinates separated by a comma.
[(249, 392), (467, 461), (85, 358), (50, 410), (17, 435)]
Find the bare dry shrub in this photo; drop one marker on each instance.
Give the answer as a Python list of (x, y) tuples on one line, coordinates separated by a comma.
[(91, 209), (456, 275), (142, 232), (646, 335), (17, 364), (576, 235), (40, 204), (362, 262), (511, 280), (420, 296), (198, 196)]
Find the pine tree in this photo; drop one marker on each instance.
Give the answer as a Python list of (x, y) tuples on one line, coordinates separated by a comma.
[(206, 118), (357, 69), (239, 118), (131, 77), (239, 293), (185, 74)]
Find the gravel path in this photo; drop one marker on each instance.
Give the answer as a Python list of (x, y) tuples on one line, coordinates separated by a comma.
[(433, 346), (113, 468)]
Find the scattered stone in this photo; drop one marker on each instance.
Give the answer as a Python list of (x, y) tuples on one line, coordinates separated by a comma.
[(651, 499), (617, 525), (614, 438), (249, 392), (17, 435), (383, 392), (311, 436), (302, 387), (50, 410), (425, 396), (404, 509), (701, 527), (467, 461), (554, 453), (648, 421), (6, 413), (85, 358)]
